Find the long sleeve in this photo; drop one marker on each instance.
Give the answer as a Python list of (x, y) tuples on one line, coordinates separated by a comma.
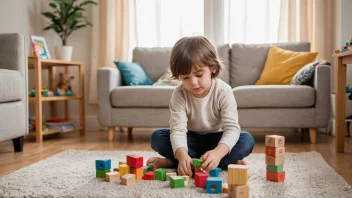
[(229, 119), (178, 121)]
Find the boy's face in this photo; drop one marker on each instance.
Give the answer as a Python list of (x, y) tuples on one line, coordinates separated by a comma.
[(198, 82)]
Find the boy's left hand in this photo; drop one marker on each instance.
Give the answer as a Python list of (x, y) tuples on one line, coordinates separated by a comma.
[(211, 160)]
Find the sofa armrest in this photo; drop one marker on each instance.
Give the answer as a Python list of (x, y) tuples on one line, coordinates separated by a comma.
[(322, 95), (108, 79), (13, 57)]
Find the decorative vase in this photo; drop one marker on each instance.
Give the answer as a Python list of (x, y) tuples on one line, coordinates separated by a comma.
[(63, 52)]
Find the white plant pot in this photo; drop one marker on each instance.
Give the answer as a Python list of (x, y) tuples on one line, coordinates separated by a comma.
[(63, 52)]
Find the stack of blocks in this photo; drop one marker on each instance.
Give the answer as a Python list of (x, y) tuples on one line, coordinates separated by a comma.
[(274, 159), (237, 181), (102, 167), (135, 163)]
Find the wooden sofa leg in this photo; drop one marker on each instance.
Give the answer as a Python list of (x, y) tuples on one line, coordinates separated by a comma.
[(313, 135), (130, 131), (111, 131), (18, 144), (121, 129)]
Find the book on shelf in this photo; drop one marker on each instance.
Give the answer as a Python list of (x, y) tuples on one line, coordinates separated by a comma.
[(56, 124)]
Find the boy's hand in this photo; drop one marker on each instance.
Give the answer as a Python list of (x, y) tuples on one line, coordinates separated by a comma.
[(184, 162), (211, 160)]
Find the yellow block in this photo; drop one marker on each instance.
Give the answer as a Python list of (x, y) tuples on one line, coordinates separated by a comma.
[(237, 174), (124, 169)]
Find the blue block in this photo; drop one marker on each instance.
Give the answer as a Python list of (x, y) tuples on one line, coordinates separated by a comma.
[(215, 172), (103, 164), (214, 185)]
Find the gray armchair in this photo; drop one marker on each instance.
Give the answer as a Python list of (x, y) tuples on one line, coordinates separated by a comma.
[(13, 90)]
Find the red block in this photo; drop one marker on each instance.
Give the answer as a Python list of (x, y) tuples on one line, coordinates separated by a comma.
[(200, 179), (148, 175), (276, 177), (135, 161)]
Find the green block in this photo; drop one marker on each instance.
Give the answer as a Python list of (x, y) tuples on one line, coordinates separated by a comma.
[(160, 174), (177, 182), (150, 167), (197, 162), (145, 170), (101, 173), (275, 169)]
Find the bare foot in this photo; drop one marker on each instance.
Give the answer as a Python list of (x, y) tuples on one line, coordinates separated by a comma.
[(160, 162), (241, 162)]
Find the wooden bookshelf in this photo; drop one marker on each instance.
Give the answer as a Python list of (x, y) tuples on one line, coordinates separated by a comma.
[(38, 65)]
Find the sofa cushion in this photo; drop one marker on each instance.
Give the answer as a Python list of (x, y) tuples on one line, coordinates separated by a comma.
[(142, 96), (248, 60), (156, 61), (274, 96), (10, 85), (133, 74)]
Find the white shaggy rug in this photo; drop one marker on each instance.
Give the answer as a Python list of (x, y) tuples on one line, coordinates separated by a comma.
[(72, 174)]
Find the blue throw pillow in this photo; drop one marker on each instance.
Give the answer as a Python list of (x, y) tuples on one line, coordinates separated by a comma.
[(133, 73)]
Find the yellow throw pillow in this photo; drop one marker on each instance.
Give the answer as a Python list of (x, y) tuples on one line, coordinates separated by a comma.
[(281, 65)]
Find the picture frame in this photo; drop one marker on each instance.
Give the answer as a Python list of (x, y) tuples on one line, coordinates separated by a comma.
[(39, 46)]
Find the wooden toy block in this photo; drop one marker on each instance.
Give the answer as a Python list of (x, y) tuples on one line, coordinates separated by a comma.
[(238, 191), (186, 183), (112, 176), (101, 173), (177, 182), (275, 177), (274, 161), (237, 174), (121, 162), (274, 151), (215, 172), (138, 172), (225, 188), (160, 174), (148, 175), (214, 185), (103, 164), (197, 162), (275, 141), (128, 179), (186, 178), (145, 169), (150, 167), (197, 170), (116, 169), (200, 179), (170, 174), (124, 169), (135, 161), (275, 169)]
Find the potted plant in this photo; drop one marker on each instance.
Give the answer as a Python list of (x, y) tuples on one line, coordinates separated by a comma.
[(66, 17)]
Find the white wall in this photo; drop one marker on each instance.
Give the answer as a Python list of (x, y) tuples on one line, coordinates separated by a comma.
[(24, 16)]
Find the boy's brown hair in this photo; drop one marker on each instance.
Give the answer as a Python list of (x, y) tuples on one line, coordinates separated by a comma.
[(191, 52)]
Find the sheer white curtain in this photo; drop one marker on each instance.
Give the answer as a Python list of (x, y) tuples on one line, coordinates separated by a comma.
[(251, 21), (160, 23)]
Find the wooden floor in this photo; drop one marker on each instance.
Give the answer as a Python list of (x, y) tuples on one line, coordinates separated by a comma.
[(97, 140)]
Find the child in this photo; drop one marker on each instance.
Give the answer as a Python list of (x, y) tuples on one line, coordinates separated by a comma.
[(204, 118)]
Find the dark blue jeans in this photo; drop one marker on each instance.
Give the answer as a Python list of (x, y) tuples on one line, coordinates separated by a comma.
[(199, 144)]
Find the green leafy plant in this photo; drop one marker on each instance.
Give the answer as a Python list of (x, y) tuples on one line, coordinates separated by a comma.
[(67, 16)]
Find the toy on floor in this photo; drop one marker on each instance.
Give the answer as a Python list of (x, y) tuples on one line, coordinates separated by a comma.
[(274, 159), (102, 167), (237, 181)]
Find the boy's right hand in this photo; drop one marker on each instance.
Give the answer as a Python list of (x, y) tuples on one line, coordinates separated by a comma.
[(184, 162)]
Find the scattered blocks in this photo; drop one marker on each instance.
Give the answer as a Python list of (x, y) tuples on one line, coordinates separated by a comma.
[(160, 174), (128, 179), (186, 178), (274, 141), (225, 188), (112, 176), (275, 177), (103, 164), (215, 172), (150, 167), (200, 179), (237, 174), (170, 174), (116, 169), (135, 161), (177, 182), (148, 175), (274, 151), (138, 172), (124, 169), (197, 162), (214, 185), (241, 191), (101, 173), (120, 163), (275, 169)]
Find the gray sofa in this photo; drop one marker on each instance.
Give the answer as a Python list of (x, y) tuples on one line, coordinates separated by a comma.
[(13, 90), (274, 106)]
